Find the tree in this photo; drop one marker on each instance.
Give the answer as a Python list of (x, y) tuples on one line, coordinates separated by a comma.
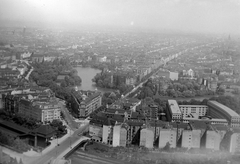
[(236, 91), (167, 147), (221, 91), (21, 145), (63, 84), (58, 125), (149, 100)]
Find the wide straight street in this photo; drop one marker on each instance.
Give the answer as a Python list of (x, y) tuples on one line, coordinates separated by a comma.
[(68, 117)]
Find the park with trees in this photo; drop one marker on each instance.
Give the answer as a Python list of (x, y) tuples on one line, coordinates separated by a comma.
[(173, 89), (103, 80), (46, 73)]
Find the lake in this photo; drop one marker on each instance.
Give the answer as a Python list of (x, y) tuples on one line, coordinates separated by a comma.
[(87, 74)]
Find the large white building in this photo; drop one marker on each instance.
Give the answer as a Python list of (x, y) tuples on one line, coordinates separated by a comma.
[(191, 138), (167, 136), (119, 135), (193, 111), (212, 121), (212, 140), (175, 112), (147, 137), (235, 142), (218, 110), (46, 111)]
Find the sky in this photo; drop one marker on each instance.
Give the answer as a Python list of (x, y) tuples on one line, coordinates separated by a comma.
[(221, 16)]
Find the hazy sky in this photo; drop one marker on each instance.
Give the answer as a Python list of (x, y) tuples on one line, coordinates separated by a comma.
[(188, 15)]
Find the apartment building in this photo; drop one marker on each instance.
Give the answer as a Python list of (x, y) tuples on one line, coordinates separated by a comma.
[(44, 111), (191, 138), (147, 137), (235, 141), (119, 135), (211, 140), (167, 136), (87, 101), (96, 128), (133, 131)]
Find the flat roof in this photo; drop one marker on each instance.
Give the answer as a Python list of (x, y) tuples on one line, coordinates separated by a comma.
[(211, 120), (231, 112), (193, 105), (174, 107)]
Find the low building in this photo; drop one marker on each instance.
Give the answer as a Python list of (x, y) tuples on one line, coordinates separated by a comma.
[(147, 137), (213, 121), (173, 76), (168, 75), (8, 73), (126, 104), (38, 58)]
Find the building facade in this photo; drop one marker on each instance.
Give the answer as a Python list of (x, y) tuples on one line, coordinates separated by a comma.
[(217, 110), (191, 138), (41, 111), (174, 111), (87, 102), (119, 135), (193, 111), (211, 140), (167, 136), (235, 143), (147, 137)]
